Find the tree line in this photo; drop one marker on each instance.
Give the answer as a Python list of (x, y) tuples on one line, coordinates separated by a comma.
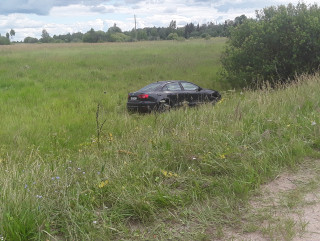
[(115, 34), (5, 40)]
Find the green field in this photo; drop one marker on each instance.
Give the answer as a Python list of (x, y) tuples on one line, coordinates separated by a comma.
[(185, 174)]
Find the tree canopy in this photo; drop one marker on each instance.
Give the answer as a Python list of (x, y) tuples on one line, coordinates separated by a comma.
[(115, 34), (4, 40), (279, 44)]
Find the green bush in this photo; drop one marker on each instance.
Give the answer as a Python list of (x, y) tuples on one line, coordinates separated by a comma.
[(118, 37), (281, 43), (4, 41), (30, 40), (173, 36)]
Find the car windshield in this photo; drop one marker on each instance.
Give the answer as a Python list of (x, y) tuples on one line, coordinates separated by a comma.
[(150, 87)]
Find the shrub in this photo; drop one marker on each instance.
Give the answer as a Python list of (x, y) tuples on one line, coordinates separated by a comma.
[(172, 36), (30, 40), (119, 37), (4, 41), (281, 43)]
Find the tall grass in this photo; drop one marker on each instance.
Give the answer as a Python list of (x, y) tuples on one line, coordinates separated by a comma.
[(58, 183)]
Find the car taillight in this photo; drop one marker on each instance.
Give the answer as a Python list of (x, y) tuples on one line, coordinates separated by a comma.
[(143, 96)]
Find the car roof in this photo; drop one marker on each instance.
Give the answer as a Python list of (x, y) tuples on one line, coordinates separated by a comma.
[(171, 81)]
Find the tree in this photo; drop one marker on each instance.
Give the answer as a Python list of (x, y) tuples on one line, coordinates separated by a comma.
[(173, 36), (95, 36), (12, 33), (142, 34), (173, 24), (240, 20), (118, 37), (189, 28), (114, 29), (45, 37), (30, 40), (4, 40), (279, 44)]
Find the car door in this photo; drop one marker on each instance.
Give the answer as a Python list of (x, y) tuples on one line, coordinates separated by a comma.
[(193, 93), (174, 93)]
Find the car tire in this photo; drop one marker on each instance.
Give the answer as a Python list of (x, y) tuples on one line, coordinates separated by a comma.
[(215, 98), (162, 107)]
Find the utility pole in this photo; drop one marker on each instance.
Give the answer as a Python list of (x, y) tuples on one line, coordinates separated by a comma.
[(135, 27)]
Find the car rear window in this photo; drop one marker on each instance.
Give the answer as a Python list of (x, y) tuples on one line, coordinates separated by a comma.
[(150, 87)]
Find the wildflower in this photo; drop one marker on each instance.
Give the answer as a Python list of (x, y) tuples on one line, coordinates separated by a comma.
[(57, 178), (103, 183), (222, 156), (221, 101), (83, 172), (38, 196), (25, 186), (313, 123), (172, 174), (165, 173), (169, 174), (110, 137), (288, 125), (94, 222)]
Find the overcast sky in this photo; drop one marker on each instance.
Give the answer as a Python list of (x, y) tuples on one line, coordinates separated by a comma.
[(30, 17)]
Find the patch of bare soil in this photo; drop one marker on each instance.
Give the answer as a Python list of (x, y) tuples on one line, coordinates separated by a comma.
[(287, 208)]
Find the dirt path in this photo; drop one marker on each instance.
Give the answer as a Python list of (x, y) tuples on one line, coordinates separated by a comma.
[(287, 208)]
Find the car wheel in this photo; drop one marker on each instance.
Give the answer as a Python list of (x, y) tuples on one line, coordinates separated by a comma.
[(162, 107), (215, 98)]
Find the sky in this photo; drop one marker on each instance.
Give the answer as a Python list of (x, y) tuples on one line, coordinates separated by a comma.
[(29, 17)]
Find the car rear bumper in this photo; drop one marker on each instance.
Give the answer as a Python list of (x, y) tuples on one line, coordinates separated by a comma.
[(144, 106)]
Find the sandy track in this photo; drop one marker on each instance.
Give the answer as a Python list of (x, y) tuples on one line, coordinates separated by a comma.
[(291, 203)]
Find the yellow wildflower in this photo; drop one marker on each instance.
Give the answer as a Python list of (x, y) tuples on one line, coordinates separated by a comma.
[(110, 137), (165, 173), (222, 156), (169, 174), (103, 183), (172, 174)]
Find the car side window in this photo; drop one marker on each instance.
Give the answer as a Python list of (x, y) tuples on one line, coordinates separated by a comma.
[(189, 86), (172, 87)]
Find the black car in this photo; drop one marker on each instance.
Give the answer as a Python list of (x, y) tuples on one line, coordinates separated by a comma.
[(163, 95)]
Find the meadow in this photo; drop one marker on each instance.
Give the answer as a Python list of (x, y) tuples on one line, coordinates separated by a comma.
[(184, 174)]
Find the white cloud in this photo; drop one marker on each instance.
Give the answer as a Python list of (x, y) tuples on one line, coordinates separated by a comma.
[(29, 17)]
